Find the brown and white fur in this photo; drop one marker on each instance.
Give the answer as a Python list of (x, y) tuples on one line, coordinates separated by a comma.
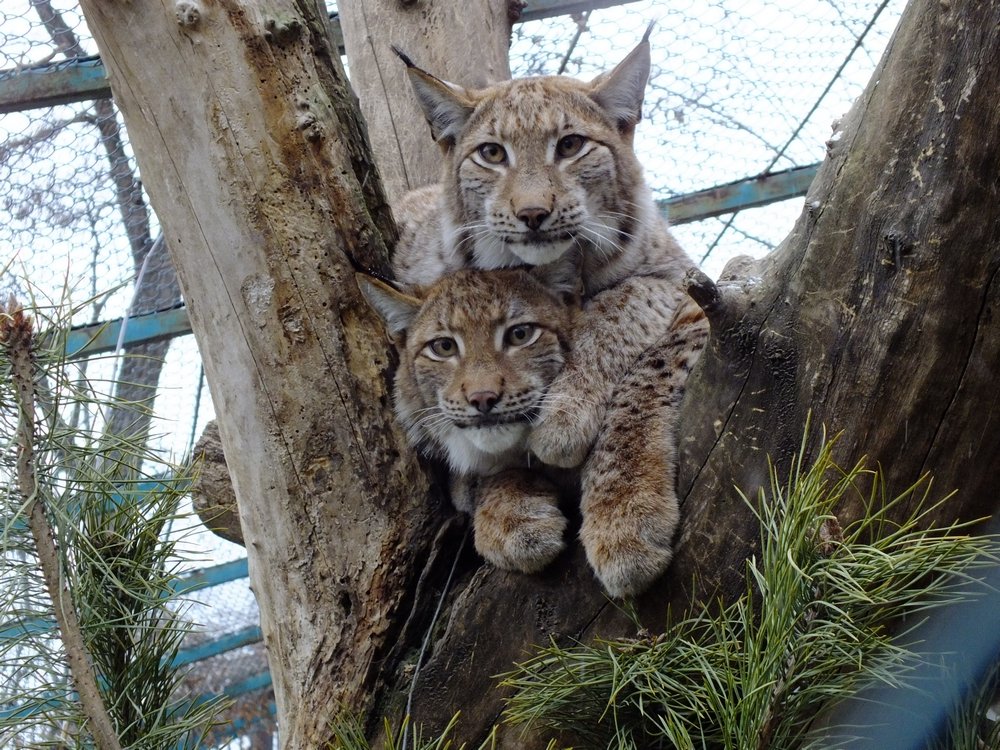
[(538, 171), (478, 351)]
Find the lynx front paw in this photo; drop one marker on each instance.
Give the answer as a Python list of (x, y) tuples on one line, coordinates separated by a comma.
[(518, 525), (628, 538)]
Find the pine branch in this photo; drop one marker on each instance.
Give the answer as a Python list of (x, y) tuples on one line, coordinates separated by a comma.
[(17, 336)]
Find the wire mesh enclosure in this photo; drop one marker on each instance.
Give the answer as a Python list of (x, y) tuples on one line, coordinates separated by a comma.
[(743, 93)]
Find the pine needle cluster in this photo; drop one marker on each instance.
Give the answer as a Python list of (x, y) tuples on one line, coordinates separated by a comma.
[(825, 609), (349, 734), (100, 507)]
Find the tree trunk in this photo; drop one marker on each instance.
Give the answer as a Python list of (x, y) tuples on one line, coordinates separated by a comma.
[(877, 314), (256, 162), (464, 42)]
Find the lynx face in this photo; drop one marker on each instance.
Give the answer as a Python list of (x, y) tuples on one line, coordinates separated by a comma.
[(539, 166), (478, 351)]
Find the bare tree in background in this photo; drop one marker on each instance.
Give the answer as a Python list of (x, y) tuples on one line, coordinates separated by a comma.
[(877, 314)]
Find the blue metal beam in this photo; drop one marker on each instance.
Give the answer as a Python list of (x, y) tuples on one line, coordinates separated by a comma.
[(54, 83), (736, 196), (722, 199), (535, 10), (103, 337), (229, 642), (84, 78), (206, 577)]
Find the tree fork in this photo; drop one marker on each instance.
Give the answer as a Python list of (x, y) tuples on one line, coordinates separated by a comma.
[(877, 314)]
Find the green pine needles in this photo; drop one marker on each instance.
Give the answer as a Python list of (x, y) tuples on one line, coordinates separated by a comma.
[(90, 619), (349, 734), (812, 627)]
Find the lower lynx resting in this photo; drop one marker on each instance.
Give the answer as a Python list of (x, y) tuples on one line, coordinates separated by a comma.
[(478, 351)]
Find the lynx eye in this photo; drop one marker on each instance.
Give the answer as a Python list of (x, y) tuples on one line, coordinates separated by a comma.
[(442, 348), (569, 145), (522, 334), (492, 153)]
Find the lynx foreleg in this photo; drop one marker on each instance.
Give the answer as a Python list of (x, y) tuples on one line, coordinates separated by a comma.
[(610, 334), (517, 521), (629, 500)]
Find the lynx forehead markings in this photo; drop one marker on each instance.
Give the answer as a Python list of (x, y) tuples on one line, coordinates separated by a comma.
[(478, 350)]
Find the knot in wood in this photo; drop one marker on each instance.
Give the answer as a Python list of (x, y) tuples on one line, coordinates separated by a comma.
[(897, 245), (281, 32), (188, 13)]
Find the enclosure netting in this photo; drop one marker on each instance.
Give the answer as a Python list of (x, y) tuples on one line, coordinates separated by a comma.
[(738, 88)]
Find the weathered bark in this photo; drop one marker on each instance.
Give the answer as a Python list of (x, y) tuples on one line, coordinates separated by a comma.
[(877, 314), (464, 42), (254, 158)]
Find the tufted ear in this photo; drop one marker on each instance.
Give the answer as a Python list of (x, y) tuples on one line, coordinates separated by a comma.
[(397, 308), (619, 92), (446, 106)]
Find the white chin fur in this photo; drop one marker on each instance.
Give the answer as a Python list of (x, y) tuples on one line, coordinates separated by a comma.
[(498, 438), (491, 252), (539, 255), (483, 450)]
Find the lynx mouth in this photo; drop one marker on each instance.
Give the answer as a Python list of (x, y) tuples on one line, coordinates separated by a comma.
[(486, 421)]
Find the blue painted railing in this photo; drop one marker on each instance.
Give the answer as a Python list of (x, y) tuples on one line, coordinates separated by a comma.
[(198, 579)]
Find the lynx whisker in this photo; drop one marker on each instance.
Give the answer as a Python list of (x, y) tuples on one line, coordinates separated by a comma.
[(564, 403)]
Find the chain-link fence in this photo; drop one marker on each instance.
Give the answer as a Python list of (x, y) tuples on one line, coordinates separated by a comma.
[(739, 89)]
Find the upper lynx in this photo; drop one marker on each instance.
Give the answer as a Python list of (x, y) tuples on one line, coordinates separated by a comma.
[(541, 171)]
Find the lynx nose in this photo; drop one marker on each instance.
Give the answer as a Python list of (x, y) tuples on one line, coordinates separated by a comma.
[(533, 217), (483, 401)]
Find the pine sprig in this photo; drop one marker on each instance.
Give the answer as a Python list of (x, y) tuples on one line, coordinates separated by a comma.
[(114, 566), (349, 734), (814, 621)]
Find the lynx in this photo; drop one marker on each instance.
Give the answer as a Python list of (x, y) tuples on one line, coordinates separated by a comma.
[(478, 350), (541, 172)]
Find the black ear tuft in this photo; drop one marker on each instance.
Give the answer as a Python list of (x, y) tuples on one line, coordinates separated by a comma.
[(404, 57), (396, 307), (446, 106)]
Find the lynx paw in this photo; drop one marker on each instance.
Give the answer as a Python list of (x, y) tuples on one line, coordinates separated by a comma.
[(521, 532), (627, 550)]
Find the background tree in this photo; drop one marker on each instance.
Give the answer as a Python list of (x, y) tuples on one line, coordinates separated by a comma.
[(876, 313)]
